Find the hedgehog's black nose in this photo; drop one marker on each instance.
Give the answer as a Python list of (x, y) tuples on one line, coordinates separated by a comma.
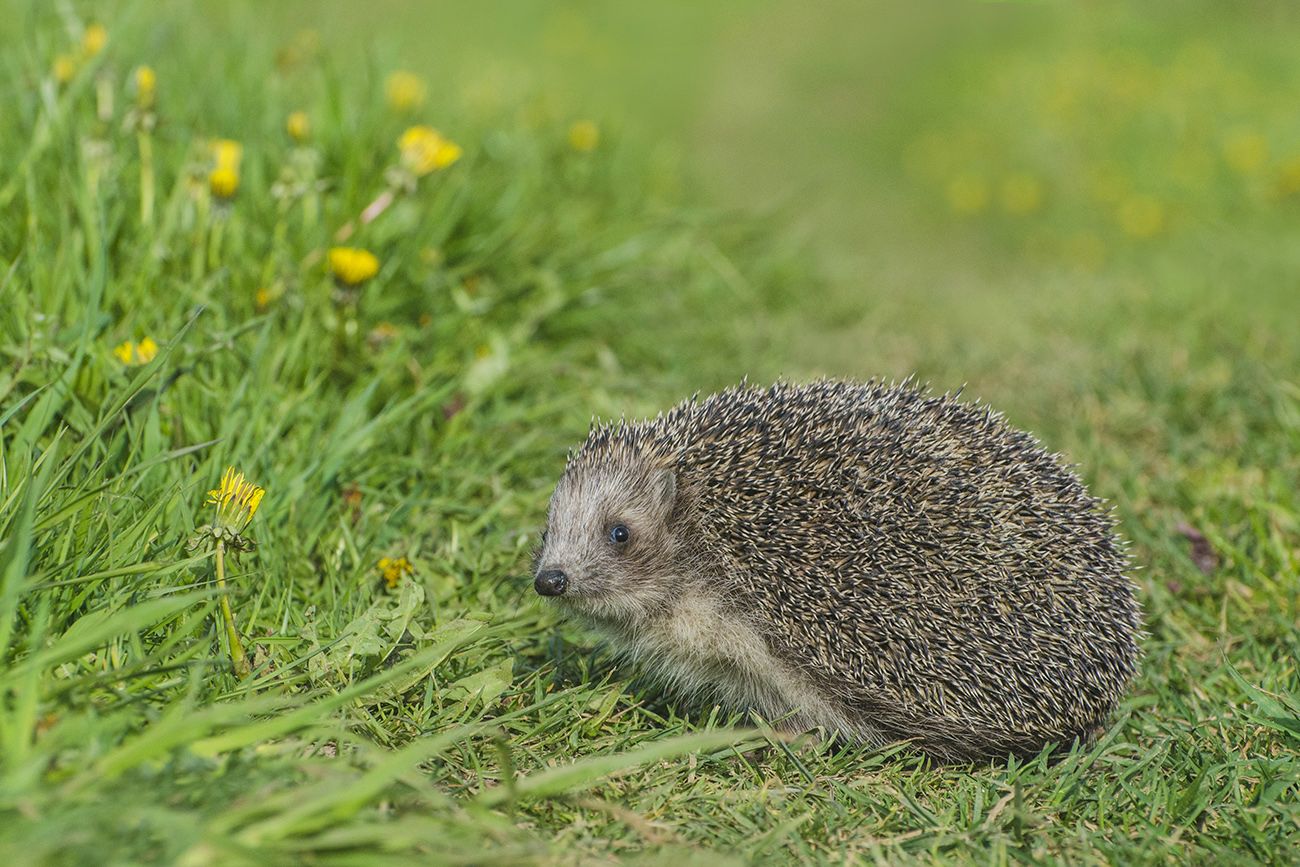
[(551, 582)]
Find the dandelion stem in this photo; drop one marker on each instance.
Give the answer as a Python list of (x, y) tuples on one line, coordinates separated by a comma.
[(146, 177), (218, 230), (198, 255), (237, 657)]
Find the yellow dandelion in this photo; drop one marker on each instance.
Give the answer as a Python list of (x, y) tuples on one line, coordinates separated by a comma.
[(227, 153), (65, 67), (404, 90), (135, 354), (263, 298), (1288, 179), (1141, 216), (146, 85), (584, 135), (298, 125), (94, 40), (423, 149), (968, 194), (1245, 152), (352, 266), (1021, 195), (393, 570), (236, 500), (223, 181)]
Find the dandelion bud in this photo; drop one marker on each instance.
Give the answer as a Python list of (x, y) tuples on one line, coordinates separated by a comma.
[(298, 125), (223, 181), (65, 67), (424, 150), (94, 40), (584, 136), (404, 90), (352, 266), (146, 83)]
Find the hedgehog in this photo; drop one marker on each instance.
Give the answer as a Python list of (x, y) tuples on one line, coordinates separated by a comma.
[(868, 559)]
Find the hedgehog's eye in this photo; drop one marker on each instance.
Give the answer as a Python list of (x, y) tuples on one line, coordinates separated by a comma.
[(618, 534)]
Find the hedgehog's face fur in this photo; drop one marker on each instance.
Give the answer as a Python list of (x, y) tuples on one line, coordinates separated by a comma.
[(608, 551)]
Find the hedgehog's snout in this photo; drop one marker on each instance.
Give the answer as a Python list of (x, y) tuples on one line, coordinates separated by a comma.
[(550, 582)]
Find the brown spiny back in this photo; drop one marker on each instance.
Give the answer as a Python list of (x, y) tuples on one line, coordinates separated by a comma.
[(916, 556)]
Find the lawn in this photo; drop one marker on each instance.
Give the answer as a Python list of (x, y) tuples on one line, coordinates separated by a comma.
[(1089, 221)]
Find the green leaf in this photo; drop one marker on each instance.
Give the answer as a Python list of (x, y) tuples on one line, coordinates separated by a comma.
[(483, 686), (446, 639), (585, 773)]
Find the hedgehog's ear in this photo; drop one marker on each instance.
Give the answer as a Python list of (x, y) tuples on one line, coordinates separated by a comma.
[(663, 488)]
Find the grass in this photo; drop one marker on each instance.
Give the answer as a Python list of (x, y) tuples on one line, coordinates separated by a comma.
[(524, 289)]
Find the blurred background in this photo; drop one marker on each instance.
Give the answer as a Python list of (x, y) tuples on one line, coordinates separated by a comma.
[(1006, 188), (1086, 215)]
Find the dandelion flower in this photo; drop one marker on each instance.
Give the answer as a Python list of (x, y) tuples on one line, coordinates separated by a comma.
[(223, 181), (584, 135), (227, 153), (1288, 179), (1245, 152), (1021, 195), (352, 266), (236, 500), (423, 149), (404, 90), (94, 40), (136, 354), (1141, 216), (146, 85), (65, 67), (968, 194), (263, 298), (393, 570), (298, 125)]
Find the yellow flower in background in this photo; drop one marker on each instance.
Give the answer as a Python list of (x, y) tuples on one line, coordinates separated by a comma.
[(1288, 179), (968, 194), (146, 86), (584, 135), (223, 181), (302, 48), (298, 125), (352, 266), (136, 354), (94, 40), (1245, 152), (227, 153), (1021, 195), (394, 569), (236, 500), (1141, 216), (423, 149), (263, 298), (448, 153), (405, 90), (65, 67)]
